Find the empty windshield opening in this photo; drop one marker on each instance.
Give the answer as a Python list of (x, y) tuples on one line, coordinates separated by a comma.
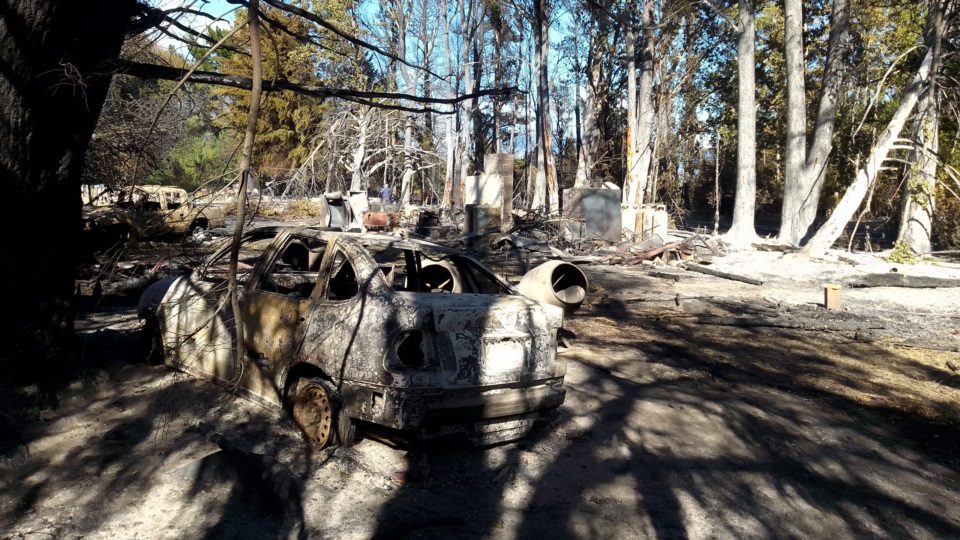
[(405, 268)]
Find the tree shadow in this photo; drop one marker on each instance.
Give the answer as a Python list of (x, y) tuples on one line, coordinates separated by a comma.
[(673, 430), (233, 468)]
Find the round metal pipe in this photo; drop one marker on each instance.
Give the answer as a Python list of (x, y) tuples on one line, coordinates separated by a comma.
[(556, 283)]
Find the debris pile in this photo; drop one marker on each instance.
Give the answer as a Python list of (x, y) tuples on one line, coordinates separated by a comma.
[(119, 274)]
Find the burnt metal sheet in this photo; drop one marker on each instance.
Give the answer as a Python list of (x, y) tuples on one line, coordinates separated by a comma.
[(598, 208)]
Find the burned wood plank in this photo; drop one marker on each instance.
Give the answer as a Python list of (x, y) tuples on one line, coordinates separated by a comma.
[(896, 279), (748, 322), (665, 275), (724, 275), (781, 248)]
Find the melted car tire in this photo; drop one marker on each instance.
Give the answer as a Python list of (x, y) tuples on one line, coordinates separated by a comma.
[(317, 411)]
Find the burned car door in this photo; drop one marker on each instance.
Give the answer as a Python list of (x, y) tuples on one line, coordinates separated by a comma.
[(176, 209), (345, 338), (195, 317), (276, 311)]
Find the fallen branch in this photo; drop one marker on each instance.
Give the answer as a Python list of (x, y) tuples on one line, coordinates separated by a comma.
[(747, 322), (896, 279), (752, 322), (724, 275), (665, 275)]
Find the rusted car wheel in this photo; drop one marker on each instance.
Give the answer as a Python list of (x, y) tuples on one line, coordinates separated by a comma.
[(317, 411)]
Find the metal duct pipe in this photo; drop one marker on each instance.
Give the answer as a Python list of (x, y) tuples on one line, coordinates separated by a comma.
[(556, 283)]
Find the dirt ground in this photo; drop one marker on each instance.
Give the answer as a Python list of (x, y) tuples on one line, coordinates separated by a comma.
[(680, 422)]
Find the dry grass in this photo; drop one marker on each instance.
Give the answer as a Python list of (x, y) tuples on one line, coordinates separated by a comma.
[(302, 208), (910, 381)]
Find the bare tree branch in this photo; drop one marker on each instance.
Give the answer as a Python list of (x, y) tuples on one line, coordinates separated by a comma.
[(246, 157), (153, 71), (345, 35), (201, 36)]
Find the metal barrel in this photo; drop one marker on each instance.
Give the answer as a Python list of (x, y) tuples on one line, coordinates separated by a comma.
[(556, 283)]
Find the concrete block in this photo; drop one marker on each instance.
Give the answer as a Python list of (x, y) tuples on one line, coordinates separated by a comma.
[(498, 164), (484, 190), (831, 296)]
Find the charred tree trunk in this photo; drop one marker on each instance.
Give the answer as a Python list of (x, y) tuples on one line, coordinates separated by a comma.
[(468, 34), (640, 122), (402, 16), (630, 182), (449, 183), (246, 173), (867, 174), (805, 170), (742, 230), (794, 194), (479, 146), (919, 191), (545, 193), (591, 115), (358, 178), (645, 97), (52, 85)]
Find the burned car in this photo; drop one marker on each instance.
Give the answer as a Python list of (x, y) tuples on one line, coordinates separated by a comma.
[(148, 211), (347, 329)]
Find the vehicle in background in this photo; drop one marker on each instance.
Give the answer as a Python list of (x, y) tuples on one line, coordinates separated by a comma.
[(149, 211)]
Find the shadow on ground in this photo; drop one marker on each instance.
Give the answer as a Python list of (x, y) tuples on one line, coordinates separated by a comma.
[(670, 430), (677, 430), (132, 444)]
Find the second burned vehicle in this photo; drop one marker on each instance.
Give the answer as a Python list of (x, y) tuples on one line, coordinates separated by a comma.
[(149, 211), (347, 329)]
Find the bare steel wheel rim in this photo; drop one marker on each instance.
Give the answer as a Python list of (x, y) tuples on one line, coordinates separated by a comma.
[(313, 413)]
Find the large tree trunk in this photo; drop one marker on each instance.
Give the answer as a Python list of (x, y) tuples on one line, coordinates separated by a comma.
[(640, 113), (358, 180), (402, 15), (742, 230), (498, 44), (664, 112), (633, 158), (467, 33), (795, 194), (593, 70), (52, 86), (854, 194), (645, 93), (580, 178), (449, 182), (919, 191), (545, 191), (479, 146), (407, 178), (804, 172)]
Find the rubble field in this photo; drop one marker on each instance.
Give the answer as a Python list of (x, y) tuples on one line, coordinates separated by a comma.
[(697, 407)]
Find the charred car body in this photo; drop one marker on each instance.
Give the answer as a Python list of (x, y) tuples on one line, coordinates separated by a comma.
[(345, 328), (151, 211)]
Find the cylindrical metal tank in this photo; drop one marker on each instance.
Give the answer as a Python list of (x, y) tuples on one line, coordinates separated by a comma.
[(556, 283)]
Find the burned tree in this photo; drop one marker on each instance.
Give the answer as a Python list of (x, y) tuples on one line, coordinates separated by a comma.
[(52, 84)]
